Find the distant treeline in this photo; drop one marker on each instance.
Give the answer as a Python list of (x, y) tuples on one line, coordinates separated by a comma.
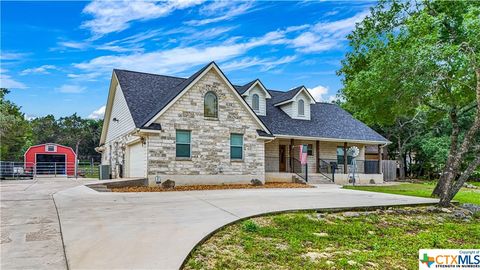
[(17, 133)]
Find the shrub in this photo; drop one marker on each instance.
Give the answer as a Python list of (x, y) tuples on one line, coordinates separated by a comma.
[(250, 226)]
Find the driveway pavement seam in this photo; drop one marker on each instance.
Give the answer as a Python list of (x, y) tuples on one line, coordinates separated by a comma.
[(61, 233), (219, 208)]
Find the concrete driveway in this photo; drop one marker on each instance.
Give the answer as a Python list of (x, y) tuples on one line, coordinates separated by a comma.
[(30, 232), (157, 230)]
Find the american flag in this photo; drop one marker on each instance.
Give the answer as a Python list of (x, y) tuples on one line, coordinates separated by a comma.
[(303, 154)]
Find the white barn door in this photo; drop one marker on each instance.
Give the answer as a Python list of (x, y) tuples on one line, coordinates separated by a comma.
[(137, 163)]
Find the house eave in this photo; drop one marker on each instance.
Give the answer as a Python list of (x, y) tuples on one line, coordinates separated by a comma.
[(325, 139)]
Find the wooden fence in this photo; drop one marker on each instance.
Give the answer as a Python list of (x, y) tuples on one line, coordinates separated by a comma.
[(389, 169)]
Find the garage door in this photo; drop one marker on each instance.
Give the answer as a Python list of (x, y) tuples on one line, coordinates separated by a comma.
[(137, 164)]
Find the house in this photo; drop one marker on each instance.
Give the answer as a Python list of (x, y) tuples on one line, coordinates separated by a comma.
[(205, 130)]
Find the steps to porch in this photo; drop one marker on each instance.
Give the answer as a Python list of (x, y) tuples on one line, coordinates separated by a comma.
[(100, 187), (318, 178)]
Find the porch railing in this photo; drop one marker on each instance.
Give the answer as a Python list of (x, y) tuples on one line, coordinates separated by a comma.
[(299, 169), (331, 167), (327, 168), (287, 165)]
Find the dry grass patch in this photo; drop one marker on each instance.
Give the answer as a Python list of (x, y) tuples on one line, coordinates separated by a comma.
[(210, 187)]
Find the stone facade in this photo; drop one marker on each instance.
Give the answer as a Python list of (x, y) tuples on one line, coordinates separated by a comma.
[(114, 155), (210, 139)]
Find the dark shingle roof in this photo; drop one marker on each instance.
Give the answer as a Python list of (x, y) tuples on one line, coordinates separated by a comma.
[(284, 96), (146, 94), (243, 88), (327, 121)]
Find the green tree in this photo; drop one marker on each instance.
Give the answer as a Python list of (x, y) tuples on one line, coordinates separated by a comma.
[(14, 129), (420, 57), (45, 129), (73, 131)]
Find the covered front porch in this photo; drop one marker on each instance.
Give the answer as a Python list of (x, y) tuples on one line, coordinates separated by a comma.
[(326, 161)]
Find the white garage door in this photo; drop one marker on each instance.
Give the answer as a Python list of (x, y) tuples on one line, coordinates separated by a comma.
[(137, 164)]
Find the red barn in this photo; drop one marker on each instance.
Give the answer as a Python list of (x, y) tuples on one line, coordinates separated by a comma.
[(51, 159)]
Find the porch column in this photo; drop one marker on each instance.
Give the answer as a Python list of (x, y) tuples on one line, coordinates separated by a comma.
[(317, 153), (345, 158), (379, 159), (290, 154)]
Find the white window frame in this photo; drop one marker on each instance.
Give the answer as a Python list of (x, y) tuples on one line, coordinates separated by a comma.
[(243, 147), (50, 145), (189, 144), (216, 104), (257, 109), (303, 107)]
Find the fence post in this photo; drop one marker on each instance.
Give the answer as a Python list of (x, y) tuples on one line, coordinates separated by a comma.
[(55, 167)]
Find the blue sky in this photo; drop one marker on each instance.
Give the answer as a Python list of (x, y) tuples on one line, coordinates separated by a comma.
[(57, 57)]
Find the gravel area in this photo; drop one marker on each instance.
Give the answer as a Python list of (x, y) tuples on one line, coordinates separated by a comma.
[(210, 187)]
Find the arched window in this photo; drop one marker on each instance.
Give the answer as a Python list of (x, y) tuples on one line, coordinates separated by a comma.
[(301, 107), (210, 105), (256, 102)]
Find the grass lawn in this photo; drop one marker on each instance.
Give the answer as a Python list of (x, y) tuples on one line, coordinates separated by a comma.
[(475, 183), (383, 239), (465, 195)]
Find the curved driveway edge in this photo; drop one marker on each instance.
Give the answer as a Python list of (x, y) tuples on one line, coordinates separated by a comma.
[(158, 230)]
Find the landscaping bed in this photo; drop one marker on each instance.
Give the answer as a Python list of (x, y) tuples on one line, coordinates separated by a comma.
[(465, 195), (209, 187), (380, 239)]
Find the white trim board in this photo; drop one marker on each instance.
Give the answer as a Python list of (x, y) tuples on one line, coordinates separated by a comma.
[(260, 84), (312, 100), (323, 139)]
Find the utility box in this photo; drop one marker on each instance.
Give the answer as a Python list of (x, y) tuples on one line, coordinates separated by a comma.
[(104, 172)]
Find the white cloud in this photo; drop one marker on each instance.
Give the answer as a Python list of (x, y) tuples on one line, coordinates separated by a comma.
[(341, 27), (325, 36), (229, 9), (177, 59), (12, 55), (97, 114), (115, 16), (319, 93), (71, 89), (39, 70), (265, 64), (6, 81), (29, 117), (90, 76), (74, 45), (304, 38)]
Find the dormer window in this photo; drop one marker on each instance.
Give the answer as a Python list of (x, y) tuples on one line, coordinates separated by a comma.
[(210, 108), (301, 107), (255, 102)]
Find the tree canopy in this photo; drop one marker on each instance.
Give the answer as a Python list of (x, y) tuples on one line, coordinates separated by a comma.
[(411, 59), (17, 133)]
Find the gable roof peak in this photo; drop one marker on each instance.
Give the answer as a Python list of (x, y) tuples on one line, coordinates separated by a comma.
[(290, 95), (243, 90)]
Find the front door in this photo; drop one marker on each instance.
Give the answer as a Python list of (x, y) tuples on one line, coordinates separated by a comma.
[(282, 154)]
